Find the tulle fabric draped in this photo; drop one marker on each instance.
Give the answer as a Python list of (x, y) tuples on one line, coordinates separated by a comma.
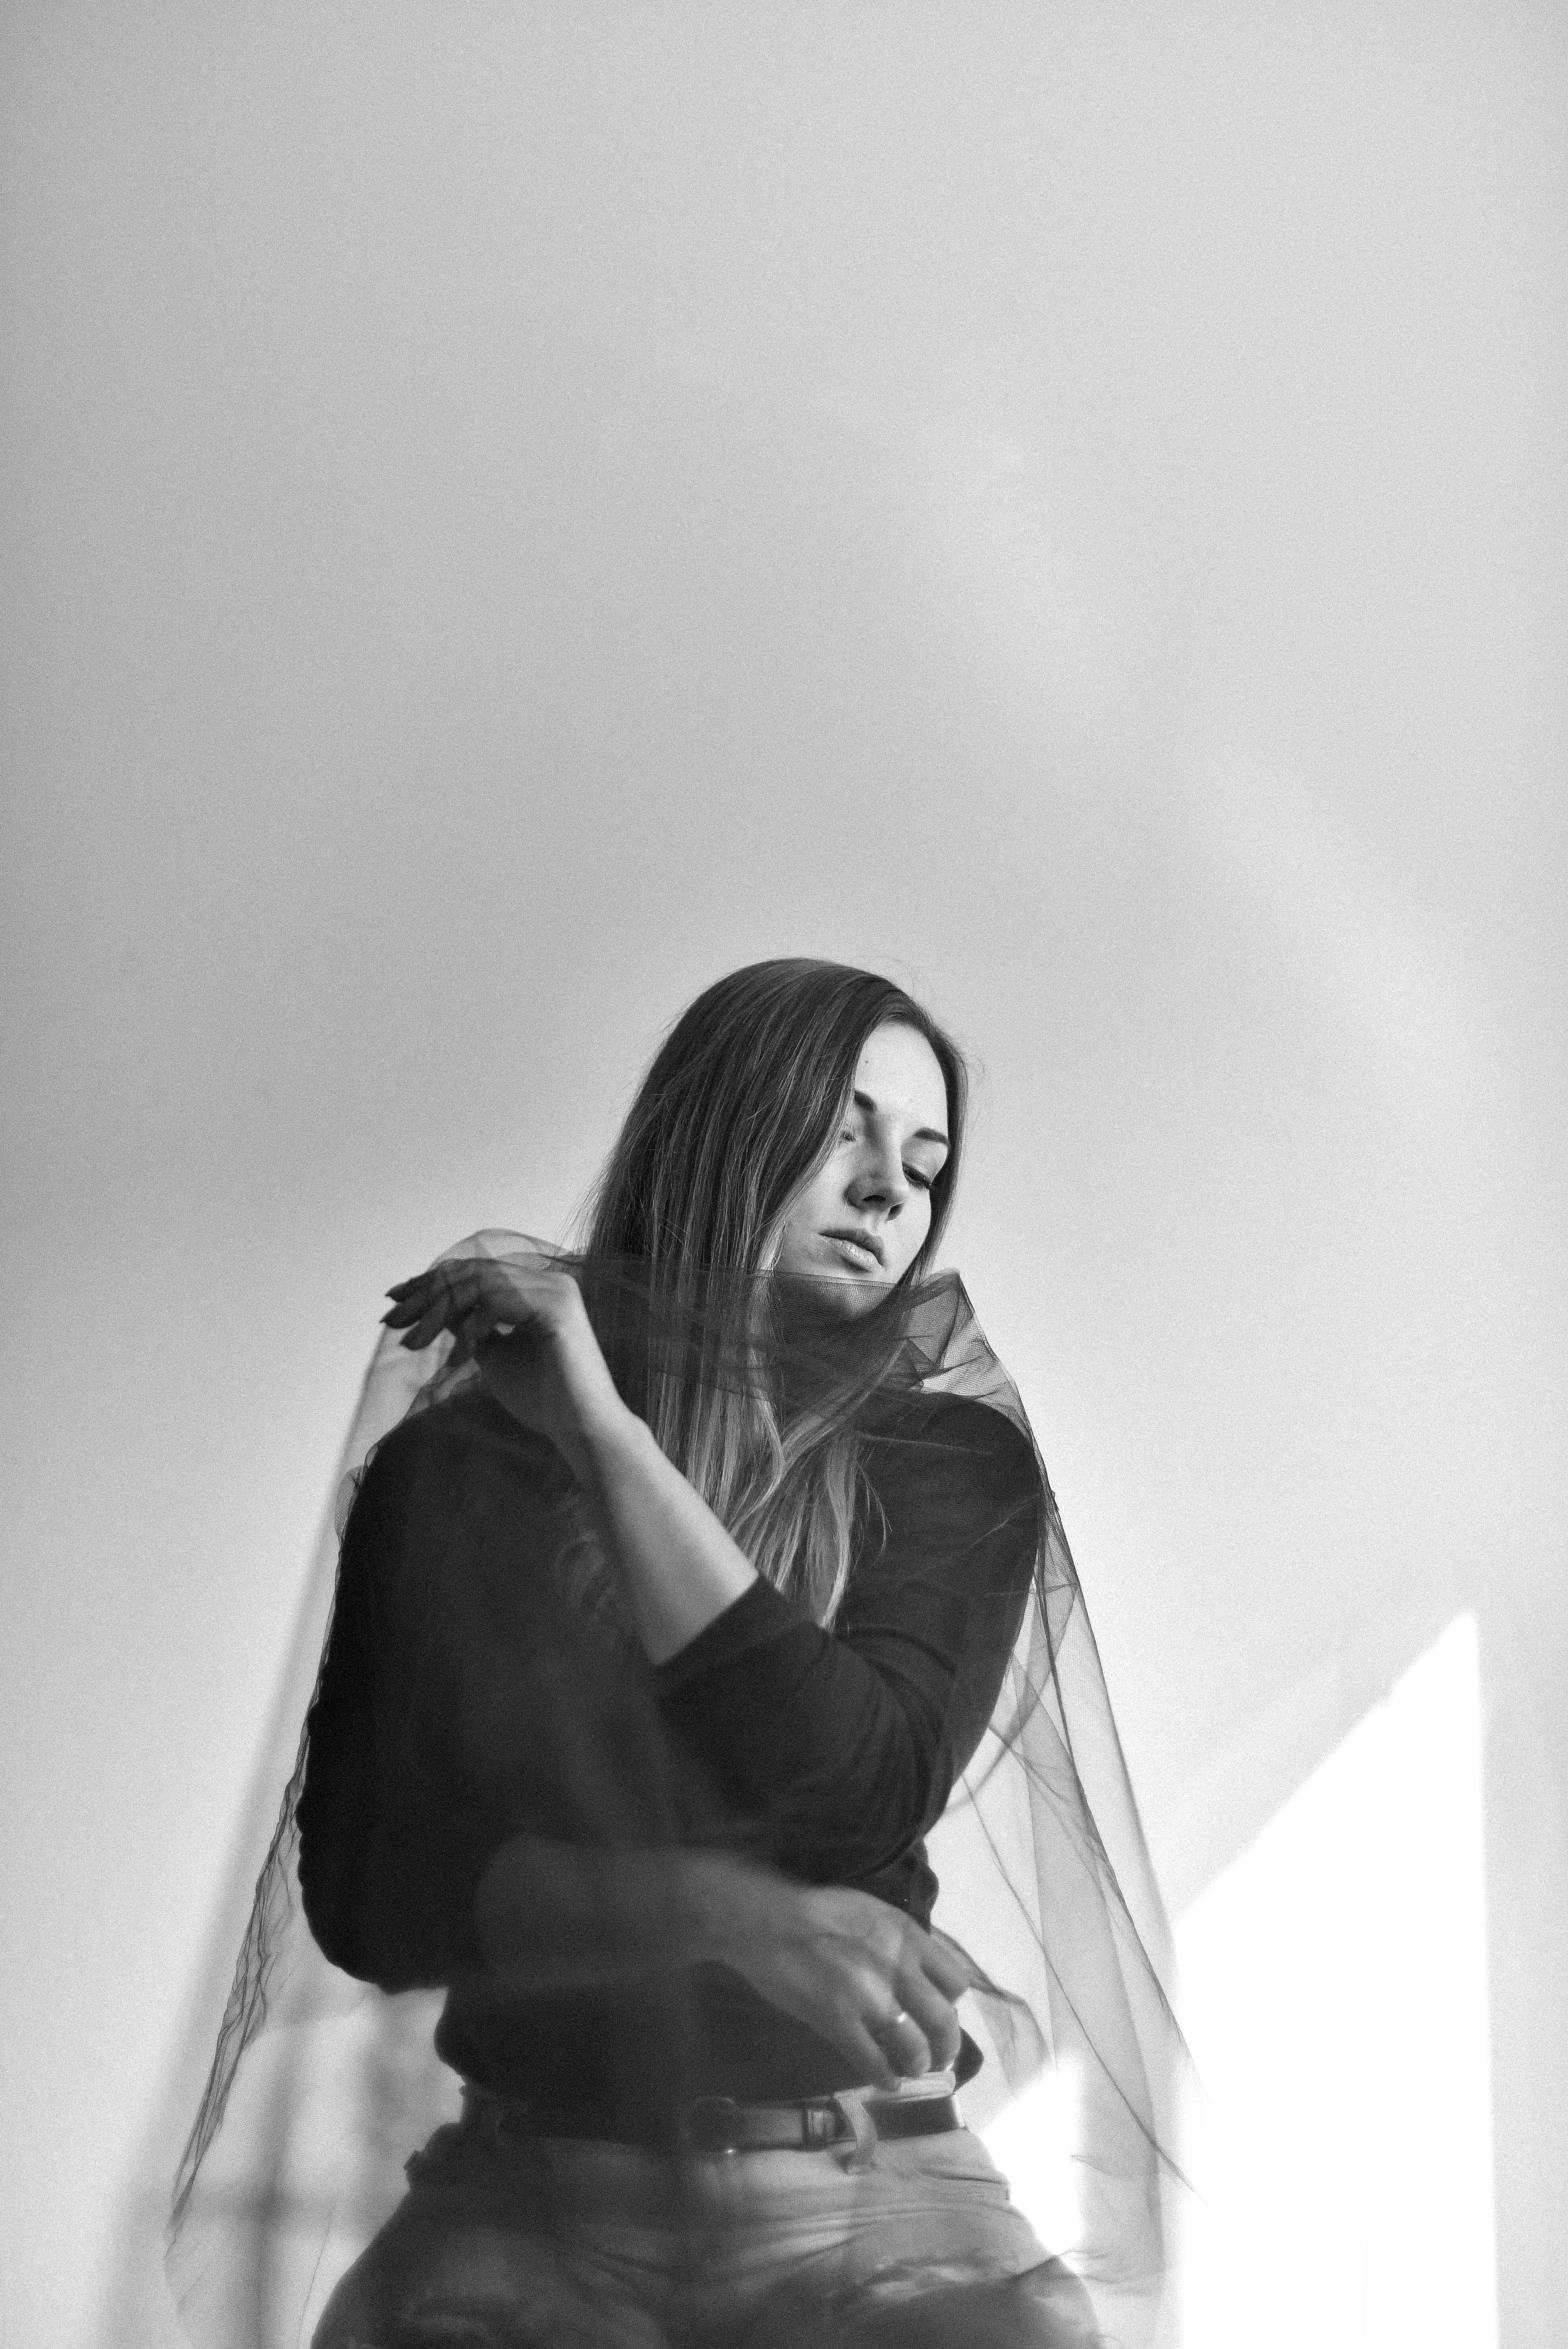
[(322, 2087)]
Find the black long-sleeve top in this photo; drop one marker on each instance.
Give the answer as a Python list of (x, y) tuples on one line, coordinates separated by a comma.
[(468, 1696)]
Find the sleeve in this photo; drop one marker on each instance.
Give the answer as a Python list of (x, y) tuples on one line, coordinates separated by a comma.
[(842, 1745), (457, 1697)]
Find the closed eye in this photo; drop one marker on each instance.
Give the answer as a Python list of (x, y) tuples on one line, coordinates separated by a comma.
[(913, 1174)]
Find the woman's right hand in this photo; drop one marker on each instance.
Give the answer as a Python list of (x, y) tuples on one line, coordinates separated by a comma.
[(523, 1320), (854, 1970)]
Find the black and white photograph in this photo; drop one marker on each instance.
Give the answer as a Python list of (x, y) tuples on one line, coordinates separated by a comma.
[(785, 1117)]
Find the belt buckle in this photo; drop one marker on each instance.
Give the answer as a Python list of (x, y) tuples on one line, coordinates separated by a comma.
[(708, 2126)]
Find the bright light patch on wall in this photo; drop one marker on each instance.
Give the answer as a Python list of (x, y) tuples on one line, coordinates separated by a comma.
[(1334, 1993), (1031, 2143)]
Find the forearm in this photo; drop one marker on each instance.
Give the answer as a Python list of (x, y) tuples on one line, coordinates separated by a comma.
[(551, 1914), (849, 1967), (677, 1565)]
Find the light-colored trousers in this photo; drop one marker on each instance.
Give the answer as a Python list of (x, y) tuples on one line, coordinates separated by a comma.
[(587, 2245)]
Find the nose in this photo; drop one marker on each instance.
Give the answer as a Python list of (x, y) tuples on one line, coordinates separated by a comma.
[(880, 1180)]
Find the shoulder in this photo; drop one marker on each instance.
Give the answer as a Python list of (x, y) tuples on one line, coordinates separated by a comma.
[(466, 1434), (954, 1425), (458, 1473), (969, 1453)]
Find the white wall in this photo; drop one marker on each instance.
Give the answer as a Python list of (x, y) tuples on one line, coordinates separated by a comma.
[(514, 509)]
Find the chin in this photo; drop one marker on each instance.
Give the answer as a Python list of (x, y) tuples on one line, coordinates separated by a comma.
[(831, 1293), (846, 1299), (849, 1295)]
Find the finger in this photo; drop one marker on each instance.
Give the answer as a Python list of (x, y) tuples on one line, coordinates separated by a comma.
[(398, 1316), (468, 1335), (906, 2045), (426, 1292), (452, 1297), (871, 2062), (934, 2016), (952, 1974), (430, 1319), (434, 1276), (428, 1327)]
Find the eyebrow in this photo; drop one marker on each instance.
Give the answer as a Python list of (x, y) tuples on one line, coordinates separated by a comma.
[(923, 1133)]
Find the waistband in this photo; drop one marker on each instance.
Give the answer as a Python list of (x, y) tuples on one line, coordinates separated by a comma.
[(721, 2125)]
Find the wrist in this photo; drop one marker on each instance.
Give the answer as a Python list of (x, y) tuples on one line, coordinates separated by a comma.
[(606, 1435), (721, 1903)]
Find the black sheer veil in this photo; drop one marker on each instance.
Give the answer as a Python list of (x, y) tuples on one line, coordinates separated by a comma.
[(321, 2087)]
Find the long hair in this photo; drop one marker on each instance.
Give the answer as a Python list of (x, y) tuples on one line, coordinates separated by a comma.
[(739, 1108)]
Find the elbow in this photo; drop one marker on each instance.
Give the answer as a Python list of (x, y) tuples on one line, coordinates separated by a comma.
[(863, 1819), (330, 1919), (906, 1823), (338, 1894), (385, 1945), (328, 1895)]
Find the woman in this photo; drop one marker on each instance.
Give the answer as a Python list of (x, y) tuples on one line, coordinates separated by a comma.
[(665, 1627)]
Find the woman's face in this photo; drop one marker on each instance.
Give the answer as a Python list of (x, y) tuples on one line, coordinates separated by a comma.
[(862, 1218)]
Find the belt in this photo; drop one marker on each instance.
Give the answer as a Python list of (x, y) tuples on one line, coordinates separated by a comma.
[(720, 2125), (717, 2124)]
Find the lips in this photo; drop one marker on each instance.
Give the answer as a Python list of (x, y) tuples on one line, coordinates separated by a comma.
[(863, 1248)]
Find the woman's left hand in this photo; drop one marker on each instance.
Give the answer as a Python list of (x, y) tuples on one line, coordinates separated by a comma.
[(851, 1967), (523, 1320)]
